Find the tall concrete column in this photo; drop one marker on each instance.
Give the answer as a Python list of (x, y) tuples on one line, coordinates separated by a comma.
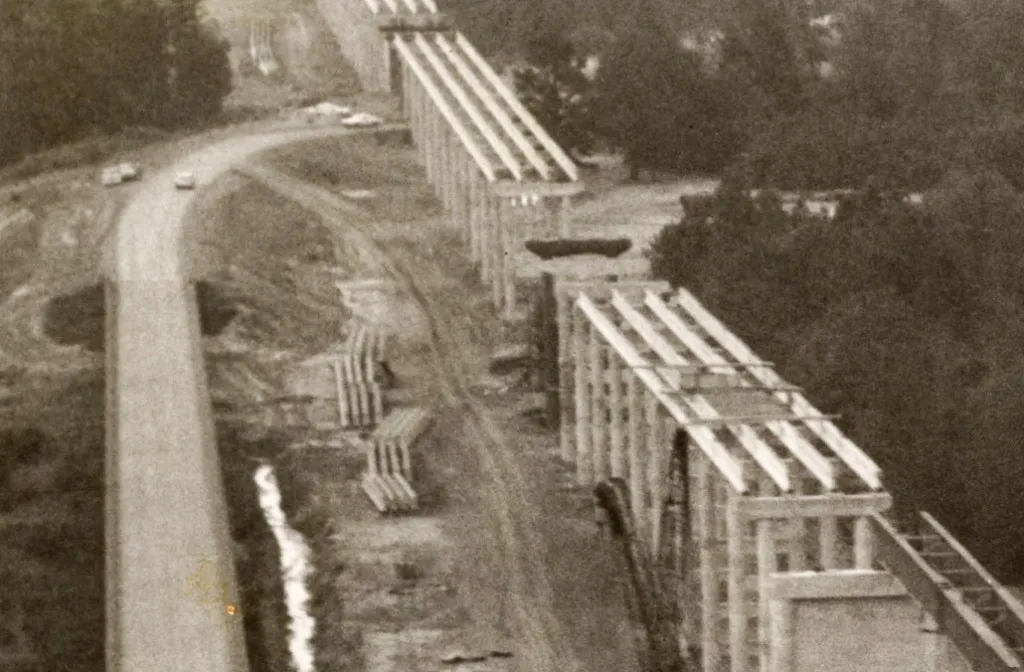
[(598, 408), (459, 180), (475, 216), (565, 345), (493, 249), (635, 402), (564, 227), (615, 403), (598, 403), (434, 146), (509, 245), (581, 335), (708, 564), (737, 562), (655, 467), (488, 213), (446, 167)]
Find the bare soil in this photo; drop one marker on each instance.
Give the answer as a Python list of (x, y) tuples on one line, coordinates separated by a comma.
[(504, 554)]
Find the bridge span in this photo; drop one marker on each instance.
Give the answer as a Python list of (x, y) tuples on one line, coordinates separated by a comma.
[(172, 597)]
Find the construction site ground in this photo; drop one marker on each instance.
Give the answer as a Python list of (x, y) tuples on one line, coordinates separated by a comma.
[(504, 555)]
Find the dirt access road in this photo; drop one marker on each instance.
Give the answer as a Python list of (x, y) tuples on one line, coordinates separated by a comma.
[(522, 575), (165, 516)]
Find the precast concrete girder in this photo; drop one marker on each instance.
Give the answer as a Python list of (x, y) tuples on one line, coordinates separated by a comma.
[(462, 67), (441, 106)]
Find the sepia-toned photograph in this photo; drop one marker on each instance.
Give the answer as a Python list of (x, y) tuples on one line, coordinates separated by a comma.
[(511, 335)]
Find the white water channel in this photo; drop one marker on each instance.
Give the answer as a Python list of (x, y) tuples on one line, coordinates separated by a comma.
[(295, 569)]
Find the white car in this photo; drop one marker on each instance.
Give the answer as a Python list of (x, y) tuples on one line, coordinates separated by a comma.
[(111, 177), (362, 119), (185, 180), (129, 170)]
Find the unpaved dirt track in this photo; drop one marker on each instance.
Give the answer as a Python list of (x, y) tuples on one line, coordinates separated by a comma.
[(513, 504), (166, 511)]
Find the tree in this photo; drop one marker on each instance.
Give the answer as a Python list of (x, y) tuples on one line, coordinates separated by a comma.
[(200, 71), (555, 89), (766, 50), (655, 103)]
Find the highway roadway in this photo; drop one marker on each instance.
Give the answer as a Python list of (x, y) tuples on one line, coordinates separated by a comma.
[(171, 588)]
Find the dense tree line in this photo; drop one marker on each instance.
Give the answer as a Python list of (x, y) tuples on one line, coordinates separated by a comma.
[(906, 320), (907, 89), (69, 68)]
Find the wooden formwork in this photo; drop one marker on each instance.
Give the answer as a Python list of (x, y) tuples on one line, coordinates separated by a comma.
[(772, 502)]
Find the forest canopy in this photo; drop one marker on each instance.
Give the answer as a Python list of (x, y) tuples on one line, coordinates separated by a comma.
[(71, 68)]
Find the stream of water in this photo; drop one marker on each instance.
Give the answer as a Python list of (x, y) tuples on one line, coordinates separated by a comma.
[(295, 569)]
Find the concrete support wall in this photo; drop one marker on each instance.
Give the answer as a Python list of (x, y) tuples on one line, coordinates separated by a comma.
[(857, 621), (360, 41)]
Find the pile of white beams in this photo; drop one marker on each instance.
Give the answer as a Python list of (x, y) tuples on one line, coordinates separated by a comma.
[(494, 167), (400, 7), (644, 363)]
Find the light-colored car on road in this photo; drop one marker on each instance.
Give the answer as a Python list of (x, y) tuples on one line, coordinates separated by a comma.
[(111, 177), (185, 180), (129, 170), (362, 119)]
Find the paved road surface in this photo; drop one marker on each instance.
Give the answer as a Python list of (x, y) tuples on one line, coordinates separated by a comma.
[(166, 518)]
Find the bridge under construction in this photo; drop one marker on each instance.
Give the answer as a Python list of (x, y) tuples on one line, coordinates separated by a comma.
[(759, 531)]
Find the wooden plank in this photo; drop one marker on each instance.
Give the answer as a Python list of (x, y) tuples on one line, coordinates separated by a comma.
[(730, 469), (852, 455)]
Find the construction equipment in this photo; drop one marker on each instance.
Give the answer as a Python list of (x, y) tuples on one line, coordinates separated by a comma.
[(651, 598)]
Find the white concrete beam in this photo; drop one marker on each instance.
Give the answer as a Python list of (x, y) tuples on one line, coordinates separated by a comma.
[(442, 105), (557, 153)]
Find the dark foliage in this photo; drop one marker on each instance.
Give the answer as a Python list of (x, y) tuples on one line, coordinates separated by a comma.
[(77, 318), (906, 321), (555, 90), (70, 68)]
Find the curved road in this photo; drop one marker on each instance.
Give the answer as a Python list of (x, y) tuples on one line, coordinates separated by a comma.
[(171, 589)]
